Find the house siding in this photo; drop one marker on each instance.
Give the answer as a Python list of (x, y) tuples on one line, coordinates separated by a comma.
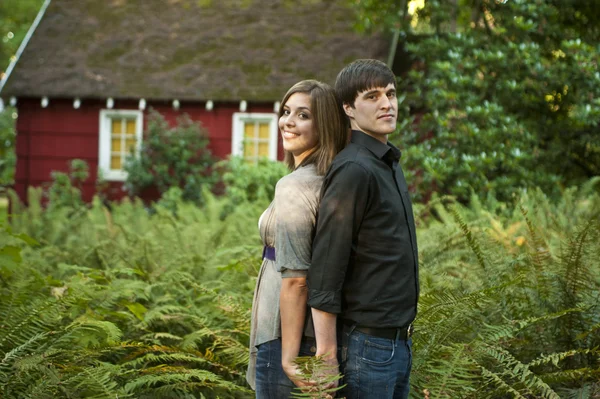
[(48, 138)]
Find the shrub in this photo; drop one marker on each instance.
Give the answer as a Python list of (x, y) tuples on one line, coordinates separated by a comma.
[(65, 189), (128, 303), (249, 183), (172, 157)]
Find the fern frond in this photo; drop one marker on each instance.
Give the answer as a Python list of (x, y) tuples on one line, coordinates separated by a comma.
[(555, 358), (473, 244), (499, 384), (519, 371), (168, 378)]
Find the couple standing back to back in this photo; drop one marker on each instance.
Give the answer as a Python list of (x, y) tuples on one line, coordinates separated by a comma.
[(339, 277)]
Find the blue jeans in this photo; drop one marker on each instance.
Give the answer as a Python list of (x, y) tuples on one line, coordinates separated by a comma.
[(375, 368), (271, 381)]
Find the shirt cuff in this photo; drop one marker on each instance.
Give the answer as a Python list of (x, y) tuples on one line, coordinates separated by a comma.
[(327, 301)]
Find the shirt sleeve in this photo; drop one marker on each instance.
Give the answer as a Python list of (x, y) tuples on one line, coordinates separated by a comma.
[(295, 218), (343, 205)]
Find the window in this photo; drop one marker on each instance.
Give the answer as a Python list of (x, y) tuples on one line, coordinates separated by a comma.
[(120, 131), (254, 136)]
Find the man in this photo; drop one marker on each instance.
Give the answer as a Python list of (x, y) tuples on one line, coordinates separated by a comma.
[(363, 280)]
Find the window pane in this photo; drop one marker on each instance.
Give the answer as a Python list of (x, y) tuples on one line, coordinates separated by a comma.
[(263, 130), (115, 162), (249, 130), (130, 127), (116, 126), (249, 149), (115, 144), (263, 149), (129, 145)]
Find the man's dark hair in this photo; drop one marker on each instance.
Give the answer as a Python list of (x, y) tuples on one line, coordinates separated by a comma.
[(361, 75)]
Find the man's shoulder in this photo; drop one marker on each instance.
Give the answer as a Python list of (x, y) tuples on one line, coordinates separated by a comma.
[(352, 155)]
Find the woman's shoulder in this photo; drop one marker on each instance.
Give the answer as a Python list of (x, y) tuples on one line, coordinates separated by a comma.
[(302, 179)]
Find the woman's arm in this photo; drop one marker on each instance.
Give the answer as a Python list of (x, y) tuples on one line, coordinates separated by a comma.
[(296, 205), (292, 303)]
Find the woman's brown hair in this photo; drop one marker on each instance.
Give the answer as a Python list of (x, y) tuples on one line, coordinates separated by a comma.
[(329, 122)]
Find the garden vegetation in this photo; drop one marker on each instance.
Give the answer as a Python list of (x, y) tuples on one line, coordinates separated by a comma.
[(99, 303)]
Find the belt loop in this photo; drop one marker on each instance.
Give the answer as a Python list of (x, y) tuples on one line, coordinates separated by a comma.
[(397, 335)]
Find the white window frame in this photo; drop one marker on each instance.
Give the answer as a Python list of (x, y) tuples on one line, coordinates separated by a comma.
[(104, 153), (240, 118)]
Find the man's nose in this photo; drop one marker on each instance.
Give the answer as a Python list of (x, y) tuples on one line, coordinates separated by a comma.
[(387, 103)]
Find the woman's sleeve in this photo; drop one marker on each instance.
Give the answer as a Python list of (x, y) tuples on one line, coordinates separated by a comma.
[(295, 217)]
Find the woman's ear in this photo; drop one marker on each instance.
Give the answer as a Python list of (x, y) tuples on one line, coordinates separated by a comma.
[(349, 110)]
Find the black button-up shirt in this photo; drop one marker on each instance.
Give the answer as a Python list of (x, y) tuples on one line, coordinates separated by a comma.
[(365, 263)]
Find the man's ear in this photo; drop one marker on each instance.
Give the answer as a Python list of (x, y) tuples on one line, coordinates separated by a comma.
[(349, 110)]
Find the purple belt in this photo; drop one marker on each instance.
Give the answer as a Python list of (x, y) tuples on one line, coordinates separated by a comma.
[(269, 253)]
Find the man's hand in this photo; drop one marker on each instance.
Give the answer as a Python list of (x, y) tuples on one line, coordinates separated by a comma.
[(329, 369)]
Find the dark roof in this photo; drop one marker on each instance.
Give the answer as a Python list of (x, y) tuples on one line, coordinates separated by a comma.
[(188, 49)]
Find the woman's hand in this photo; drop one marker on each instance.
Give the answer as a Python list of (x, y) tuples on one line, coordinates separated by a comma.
[(293, 373), (327, 370)]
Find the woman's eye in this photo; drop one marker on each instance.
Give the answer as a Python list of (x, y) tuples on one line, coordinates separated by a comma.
[(286, 112)]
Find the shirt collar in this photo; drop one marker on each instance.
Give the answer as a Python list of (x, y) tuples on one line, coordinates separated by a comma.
[(375, 146)]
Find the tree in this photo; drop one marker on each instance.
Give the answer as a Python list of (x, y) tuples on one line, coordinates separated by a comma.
[(15, 18), (499, 94)]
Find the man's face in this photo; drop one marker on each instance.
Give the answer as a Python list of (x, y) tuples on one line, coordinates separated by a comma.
[(374, 112)]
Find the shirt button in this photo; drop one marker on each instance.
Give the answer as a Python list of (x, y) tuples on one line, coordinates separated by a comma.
[(313, 349)]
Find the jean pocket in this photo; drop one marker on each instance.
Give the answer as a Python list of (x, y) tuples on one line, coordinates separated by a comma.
[(378, 352)]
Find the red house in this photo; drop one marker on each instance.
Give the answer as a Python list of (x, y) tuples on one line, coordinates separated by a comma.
[(89, 71)]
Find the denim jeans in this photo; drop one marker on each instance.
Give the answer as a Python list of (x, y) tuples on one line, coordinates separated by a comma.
[(271, 381), (375, 368)]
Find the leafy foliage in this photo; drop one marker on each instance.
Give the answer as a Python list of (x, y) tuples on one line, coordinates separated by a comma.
[(8, 158), (15, 18), (518, 327), (497, 95), (98, 302), (65, 190), (158, 305), (172, 157), (249, 183)]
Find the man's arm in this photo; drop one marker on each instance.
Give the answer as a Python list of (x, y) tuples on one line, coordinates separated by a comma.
[(343, 205), (325, 334)]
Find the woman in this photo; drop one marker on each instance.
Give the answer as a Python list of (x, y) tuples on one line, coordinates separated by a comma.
[(314, 130)]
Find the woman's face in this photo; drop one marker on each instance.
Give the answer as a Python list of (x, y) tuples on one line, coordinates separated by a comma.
[(296, 126)]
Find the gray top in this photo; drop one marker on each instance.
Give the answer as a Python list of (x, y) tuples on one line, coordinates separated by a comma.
[(287, 224)]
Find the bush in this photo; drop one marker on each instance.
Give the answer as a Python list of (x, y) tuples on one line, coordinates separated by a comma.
[(249, 183), (172, 157), (121, 302), (65, 189)]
